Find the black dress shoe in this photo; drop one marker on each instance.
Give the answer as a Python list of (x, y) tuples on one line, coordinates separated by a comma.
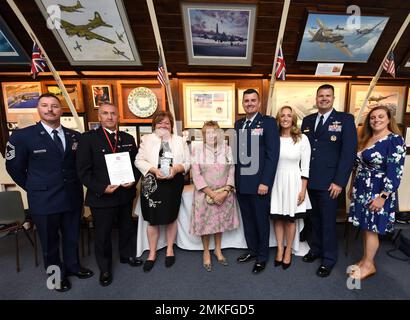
[(323, 271), (132, 261), (169, 261), (148, 265), (82, 273), (309, 257), (245, 257), (258, 267), (65, 285), (105, 278)]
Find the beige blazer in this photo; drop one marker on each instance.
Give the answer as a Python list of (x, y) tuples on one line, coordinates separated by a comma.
[(148, 153)]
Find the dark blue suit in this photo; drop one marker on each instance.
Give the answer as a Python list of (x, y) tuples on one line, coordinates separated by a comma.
[(54, 192), (261, 144), (332, 159)]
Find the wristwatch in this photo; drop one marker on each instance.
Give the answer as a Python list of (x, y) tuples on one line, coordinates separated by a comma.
[(384, 196)]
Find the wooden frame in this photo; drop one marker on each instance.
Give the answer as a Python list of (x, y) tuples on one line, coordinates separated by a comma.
[(208, 101), (101, 93), (301, 96), (389, 95), (219, 34), (124, 88), (85, 39), (20, 101), (74, 89), (240, 92), (331, 37), (11, 51)]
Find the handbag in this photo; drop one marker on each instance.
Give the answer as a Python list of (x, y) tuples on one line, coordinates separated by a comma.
[(209, 200)]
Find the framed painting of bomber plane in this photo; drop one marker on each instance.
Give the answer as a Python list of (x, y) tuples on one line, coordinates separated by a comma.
[(391, 97), (340, 38), (91, 32), (74, 90), (219, 34), (11, 52), (301, 96)]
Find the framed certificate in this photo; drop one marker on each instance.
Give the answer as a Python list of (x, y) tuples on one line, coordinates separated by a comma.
[(209, 101)]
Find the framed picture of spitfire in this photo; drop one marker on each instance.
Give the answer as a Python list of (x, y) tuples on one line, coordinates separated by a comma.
[(219, 34), (74, 90), (391, 97)]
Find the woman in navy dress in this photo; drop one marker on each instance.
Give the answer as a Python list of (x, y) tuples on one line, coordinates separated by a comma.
[(376, 178)]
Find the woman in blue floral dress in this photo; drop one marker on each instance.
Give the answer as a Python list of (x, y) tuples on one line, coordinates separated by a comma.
[(376, 178)]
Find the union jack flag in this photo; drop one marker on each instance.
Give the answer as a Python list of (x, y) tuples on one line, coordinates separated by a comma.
[(38, 63), (161, 71), (388, 64), (280, 65)]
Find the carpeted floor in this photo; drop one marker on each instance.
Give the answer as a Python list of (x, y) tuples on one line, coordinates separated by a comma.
[(187, 279)]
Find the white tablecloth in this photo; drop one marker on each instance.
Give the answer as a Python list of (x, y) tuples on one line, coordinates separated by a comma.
[(185, 240)]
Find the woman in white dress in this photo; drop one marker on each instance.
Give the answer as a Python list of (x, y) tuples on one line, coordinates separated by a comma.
[(289, 196)]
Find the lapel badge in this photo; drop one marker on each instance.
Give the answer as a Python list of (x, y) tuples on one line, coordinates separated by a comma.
[(336, 123), (306, 130), (333, 138), (42, 132)]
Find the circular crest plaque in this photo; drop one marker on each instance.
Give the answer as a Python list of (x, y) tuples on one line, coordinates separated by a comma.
[(142, 102)]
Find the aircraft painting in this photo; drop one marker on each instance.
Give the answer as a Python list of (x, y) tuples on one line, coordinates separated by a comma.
[(71, 8), (333, 38), (85, 30), (325, 35), (120, 53)]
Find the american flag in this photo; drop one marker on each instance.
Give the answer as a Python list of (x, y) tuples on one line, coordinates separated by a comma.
[(280, 65), (161, 71), (388, 64), (38, 63)]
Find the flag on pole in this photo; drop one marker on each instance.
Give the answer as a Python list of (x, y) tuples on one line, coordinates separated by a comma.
[(388, 64), (38, 63), (280, 65), (161, 71)]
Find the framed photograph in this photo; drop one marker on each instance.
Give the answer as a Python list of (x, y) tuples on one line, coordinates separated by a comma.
[(389, 96), (74, 90), (11, 51), (209, 101), (240, 96), (339, 38), (132, 130), (93, 125), (219, 34), (301, 96), (92, 32), (20, 100), (101, 93), (408, 100), (69, 122), (139, 100)]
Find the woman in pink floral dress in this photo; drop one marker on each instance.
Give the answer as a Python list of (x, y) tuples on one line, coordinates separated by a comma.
[(214, 207)]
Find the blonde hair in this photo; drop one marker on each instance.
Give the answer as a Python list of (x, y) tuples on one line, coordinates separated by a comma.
[(295, 132), (212, 125), (366, 132)]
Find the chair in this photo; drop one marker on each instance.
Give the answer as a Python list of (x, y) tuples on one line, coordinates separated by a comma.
[(13, 220)]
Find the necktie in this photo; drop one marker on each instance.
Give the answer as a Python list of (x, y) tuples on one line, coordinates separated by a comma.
[(247, 124), (112, 138), (58, 141), (320, 124)]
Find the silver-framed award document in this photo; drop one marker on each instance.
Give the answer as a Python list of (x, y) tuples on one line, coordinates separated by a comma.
[(119, 168)]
